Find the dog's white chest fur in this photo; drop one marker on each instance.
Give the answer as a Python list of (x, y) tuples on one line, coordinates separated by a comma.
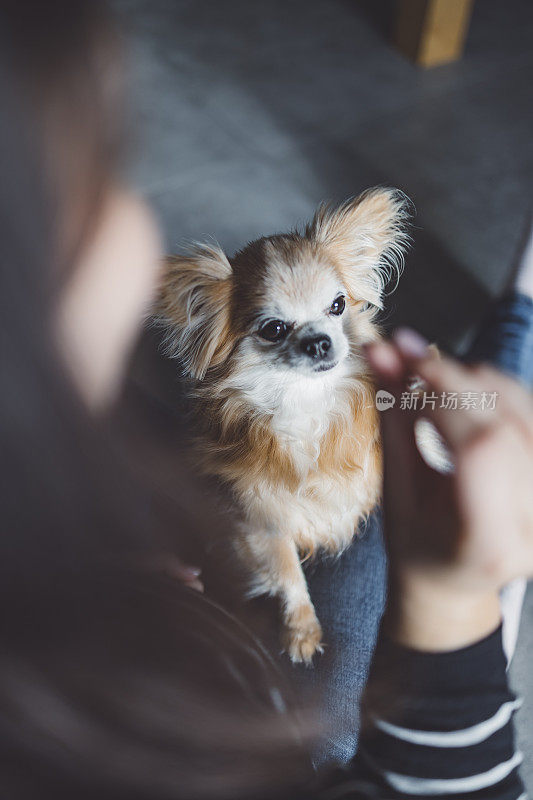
[(301, 418), (324, 510)]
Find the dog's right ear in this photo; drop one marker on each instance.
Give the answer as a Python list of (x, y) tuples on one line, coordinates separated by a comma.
[(194, 308), (368, 237)]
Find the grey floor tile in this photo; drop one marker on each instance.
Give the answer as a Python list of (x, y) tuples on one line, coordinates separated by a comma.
[(232, 201)]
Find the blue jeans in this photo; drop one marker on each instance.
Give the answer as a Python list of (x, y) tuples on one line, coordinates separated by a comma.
[(505, 339), (349, 592)]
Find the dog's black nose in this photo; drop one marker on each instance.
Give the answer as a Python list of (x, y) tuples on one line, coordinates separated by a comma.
[(316, 347)]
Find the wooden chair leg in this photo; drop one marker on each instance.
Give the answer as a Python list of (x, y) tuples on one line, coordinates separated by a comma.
[(432, 32)]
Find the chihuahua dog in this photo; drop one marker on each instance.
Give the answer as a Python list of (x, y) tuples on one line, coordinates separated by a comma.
[(272, 340)]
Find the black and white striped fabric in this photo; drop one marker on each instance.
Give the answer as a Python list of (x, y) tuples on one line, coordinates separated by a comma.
[(437, 726)]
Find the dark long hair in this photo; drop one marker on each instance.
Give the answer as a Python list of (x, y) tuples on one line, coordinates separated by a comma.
[(114, 681)]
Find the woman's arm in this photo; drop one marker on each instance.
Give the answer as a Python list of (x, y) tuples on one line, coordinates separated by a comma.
[(435, 724), (437, 708), (440, 724)]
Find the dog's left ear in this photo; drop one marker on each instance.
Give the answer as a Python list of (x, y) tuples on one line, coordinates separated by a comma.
[(367, 238), (194, 308)]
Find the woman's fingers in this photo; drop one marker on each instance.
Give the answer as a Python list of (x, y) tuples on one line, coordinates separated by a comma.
[(513, 398), (476, 406), (401, 456), (386, 363)]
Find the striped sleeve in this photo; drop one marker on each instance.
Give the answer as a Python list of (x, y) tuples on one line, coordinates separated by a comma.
[(437, 725)]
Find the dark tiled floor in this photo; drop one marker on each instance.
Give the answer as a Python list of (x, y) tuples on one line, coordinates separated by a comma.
[(247, 114)]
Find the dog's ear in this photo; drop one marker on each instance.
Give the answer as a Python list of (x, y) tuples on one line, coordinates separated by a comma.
[(194, 308), (367, 238)]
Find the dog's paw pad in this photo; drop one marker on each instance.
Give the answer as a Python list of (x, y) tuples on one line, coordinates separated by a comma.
[(303, 637)]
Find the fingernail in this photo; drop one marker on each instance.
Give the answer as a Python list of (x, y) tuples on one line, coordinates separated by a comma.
[(410, 343), (383, 359)]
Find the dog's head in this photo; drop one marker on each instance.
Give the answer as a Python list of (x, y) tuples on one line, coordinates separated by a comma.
[(289, 305)]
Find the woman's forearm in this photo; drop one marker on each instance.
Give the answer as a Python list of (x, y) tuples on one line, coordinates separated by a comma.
[(426, 615)]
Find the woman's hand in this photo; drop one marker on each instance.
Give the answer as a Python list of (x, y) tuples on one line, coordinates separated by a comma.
[(454, 540)]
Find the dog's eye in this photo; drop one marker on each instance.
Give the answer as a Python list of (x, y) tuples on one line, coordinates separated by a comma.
[(274, 331), (338, 306)]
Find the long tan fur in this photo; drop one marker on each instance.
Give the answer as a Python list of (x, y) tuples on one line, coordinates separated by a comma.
[(301, 455)]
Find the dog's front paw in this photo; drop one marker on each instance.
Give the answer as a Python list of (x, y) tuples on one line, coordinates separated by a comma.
[(302, 637)]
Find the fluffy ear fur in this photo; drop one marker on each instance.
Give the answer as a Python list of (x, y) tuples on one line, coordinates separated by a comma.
[(367, 237), (195, 308)]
